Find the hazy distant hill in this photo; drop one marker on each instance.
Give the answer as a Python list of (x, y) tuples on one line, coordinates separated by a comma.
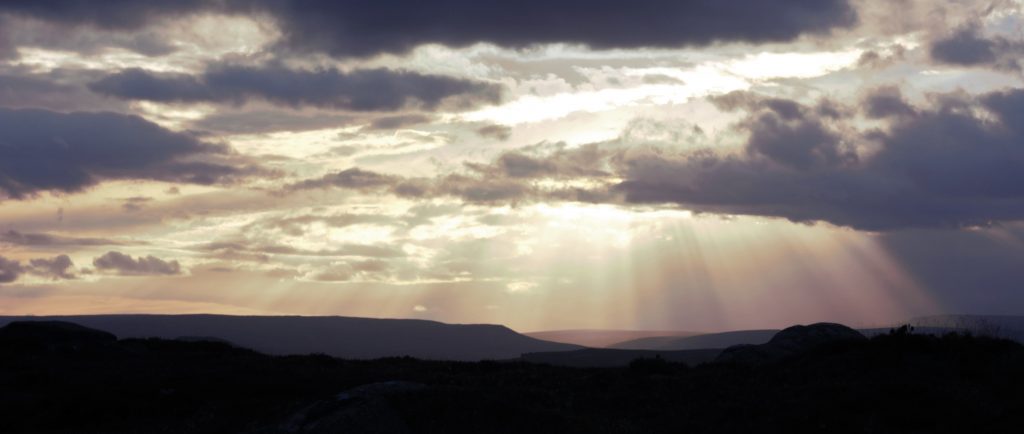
[(710, 340), (359, 338), (596, 338)]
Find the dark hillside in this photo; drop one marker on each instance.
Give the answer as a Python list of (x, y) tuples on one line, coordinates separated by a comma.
[(896, 382)]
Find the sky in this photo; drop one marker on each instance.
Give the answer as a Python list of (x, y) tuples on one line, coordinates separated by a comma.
[(654, 164)]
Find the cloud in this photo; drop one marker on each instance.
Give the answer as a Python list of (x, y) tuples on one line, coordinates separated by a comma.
[(359, 90), (940, 166), (58, 267), (260, 251), (398, 121), (16, 238), (42, 150), (135, 203), (105, 14), (269, 121), (368, 270), (22, 33), (509, 179), (8, 50), (10, 270), (364, 28), (954, 162), (120, 263), (471, 188), (352, 178), (58, 89), (298, 225), (886, 102), (966, 46), (495, 131)]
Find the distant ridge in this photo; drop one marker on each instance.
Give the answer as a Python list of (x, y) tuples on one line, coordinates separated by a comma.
[(598, 338), (609, 358), (710, 340), (998, 326), (347, 337)]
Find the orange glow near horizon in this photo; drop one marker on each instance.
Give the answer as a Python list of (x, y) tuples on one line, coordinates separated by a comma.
[(572, 266)]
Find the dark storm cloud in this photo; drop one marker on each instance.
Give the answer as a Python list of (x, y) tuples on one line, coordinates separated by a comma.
[(16, 238), (939, 166), (360, 90), (886, 102), (369, 27), (42, 150), (58, 89), (120, 263), (968, 47), (364, 28), (786, 135)]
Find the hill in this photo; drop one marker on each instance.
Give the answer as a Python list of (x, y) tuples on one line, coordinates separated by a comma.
[(600, 338), (704, 341), (896, 382), (355, 338), (607, 358)]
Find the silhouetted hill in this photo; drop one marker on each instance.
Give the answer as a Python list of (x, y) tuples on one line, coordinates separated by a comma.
[(704, 341), (893, 383), (601, 338), (607, 358), (52, 335), (790, 341), (358, 338)]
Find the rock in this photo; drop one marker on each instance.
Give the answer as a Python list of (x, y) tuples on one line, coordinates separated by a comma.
[(792, 340), (363, 409)]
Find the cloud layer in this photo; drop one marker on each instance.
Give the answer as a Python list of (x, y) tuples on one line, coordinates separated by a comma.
[(360, 90), (120, 263), (42, 150), (366, 28), (953, 163)]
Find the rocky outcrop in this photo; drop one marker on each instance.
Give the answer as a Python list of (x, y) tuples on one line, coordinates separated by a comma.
[(363, 409), (793, 340)]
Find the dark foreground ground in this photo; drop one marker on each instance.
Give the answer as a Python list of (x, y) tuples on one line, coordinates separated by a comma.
[(891, 383)]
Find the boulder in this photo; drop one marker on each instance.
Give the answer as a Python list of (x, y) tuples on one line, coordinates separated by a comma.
[(792, 340)]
